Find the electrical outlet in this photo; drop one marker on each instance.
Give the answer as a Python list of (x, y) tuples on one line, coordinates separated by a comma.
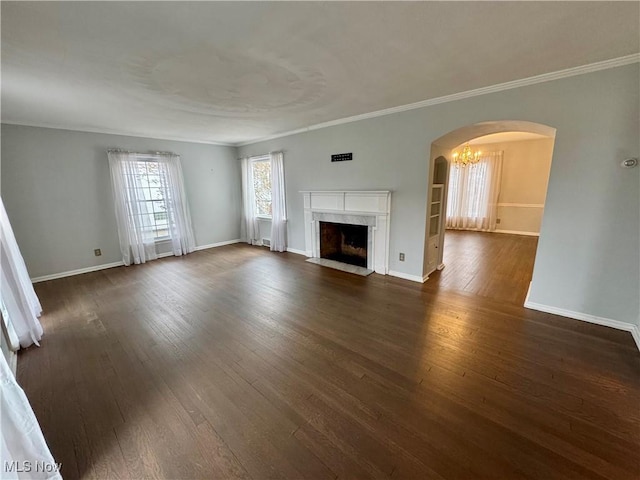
[(97, 252), (497, 220), (402, 257)]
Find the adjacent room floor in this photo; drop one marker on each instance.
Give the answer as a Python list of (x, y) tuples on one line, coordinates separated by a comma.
[(492, 265), (236, 362)]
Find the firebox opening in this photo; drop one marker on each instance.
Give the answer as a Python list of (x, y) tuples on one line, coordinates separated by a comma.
[(344, 243)]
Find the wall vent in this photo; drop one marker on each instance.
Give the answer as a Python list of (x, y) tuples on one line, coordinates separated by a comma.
[(266, 242)]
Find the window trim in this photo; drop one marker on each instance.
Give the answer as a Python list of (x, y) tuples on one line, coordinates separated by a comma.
[(258, 159), (151, 158)]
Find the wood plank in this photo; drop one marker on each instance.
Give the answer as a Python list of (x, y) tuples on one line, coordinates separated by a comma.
[(236, 362)]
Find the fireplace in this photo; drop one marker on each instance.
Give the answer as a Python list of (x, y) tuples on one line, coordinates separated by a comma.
[(344, 243), (366, 211)]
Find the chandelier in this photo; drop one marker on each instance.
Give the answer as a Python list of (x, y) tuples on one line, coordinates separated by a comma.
[(467, 157)]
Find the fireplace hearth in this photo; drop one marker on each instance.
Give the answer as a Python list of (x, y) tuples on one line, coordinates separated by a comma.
[(344, 243)]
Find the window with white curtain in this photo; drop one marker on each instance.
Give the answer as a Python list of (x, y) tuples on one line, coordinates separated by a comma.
[(263, 196), (150, 204), (152, 197), (472, 199), (261, 172)]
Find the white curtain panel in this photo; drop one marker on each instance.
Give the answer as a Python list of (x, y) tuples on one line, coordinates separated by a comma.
[(137, 243), (21, 439), (18, 300), (133, 214), (249, 223), (472, 200), (278, 204), (178, 213)]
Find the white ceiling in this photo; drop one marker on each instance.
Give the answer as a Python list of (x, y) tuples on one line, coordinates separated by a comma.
[(505, 137), (233, 72)]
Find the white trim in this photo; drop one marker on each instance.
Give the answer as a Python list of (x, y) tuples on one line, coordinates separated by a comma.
[(406, 276), (359, 192), (522, 205), (118, 132), (545, 77), (13, 361), (218, 244), (586, 317), (105, 266), (517, 232), (635, 333), (370, 208), (265, 157), (296, 251), (79, 271)]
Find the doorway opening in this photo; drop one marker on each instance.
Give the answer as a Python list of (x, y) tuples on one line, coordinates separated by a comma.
[(487, 190)]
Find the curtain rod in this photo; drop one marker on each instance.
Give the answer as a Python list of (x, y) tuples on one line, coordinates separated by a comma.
[(262, 155), (119, 150)]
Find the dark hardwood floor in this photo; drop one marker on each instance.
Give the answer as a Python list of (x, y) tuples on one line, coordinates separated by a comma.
[(240, 363), (492, 265)]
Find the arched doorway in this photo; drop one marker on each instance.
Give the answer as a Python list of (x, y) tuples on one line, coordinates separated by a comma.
[(439, 180)]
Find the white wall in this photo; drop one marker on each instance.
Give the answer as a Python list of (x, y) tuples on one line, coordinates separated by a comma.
[(525, 175), (57, 191), (589, 254)]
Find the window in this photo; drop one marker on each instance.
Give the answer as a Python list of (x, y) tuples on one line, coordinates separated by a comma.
[(474, 180), (261, 173), (150, 198), (473, 194), (150, 204)]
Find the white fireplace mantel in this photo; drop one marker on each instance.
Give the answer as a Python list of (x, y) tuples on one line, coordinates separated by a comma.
[(371, 208)]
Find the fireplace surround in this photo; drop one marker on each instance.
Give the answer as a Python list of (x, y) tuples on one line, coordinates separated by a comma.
[(364, 209)]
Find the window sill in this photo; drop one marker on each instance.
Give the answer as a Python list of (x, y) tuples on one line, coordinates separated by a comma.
[(263, 217)]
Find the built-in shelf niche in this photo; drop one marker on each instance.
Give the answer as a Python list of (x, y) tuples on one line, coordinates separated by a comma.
[(436, 210)]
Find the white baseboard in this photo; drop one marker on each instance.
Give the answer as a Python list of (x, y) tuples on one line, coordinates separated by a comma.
[(218, 244), (635, 333), (296, 251), (78, 271), (586, 317), (104, 266), (406, 276), (526, 299), (517, 232)]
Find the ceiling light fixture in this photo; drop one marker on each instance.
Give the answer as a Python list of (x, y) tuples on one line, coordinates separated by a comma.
[(467, 157)]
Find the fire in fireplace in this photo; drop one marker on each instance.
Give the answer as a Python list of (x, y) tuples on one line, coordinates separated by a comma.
[(344, 243)]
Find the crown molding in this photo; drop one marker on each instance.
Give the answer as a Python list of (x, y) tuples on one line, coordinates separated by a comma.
[(545, 77), (120, 133), (523, 82)]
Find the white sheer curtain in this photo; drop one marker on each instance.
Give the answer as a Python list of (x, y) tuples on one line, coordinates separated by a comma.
[(18, 301), (135, 229), (134, 213), (178, 213), (473, 194), (278, 204), (21, 439), (249, 226)]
